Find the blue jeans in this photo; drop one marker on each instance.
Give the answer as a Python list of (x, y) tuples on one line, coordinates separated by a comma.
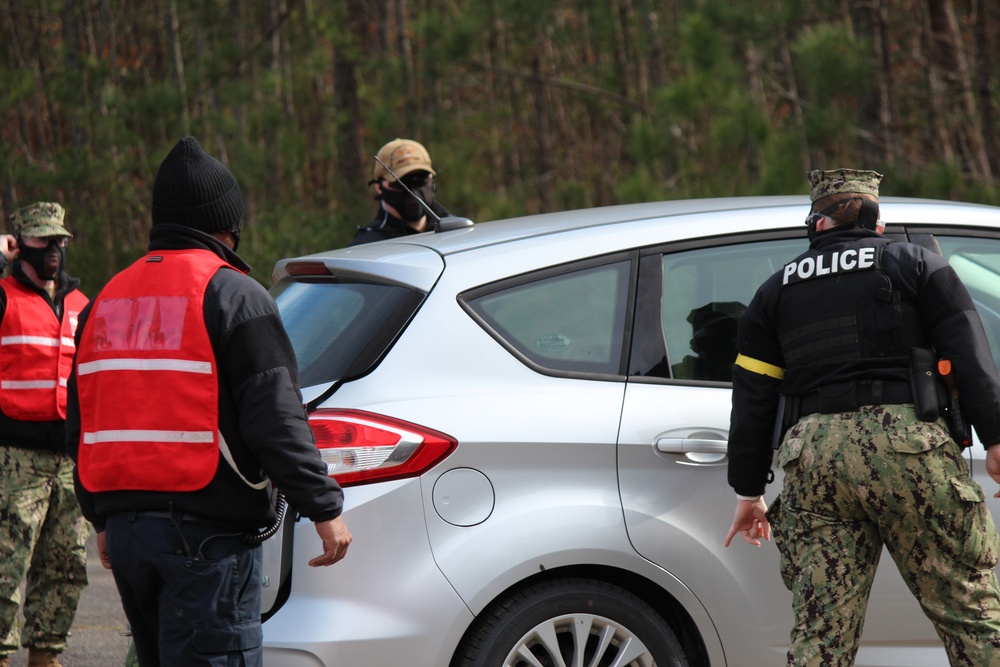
[(191, 591)]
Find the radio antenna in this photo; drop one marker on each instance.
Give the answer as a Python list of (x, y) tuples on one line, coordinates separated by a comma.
[(410, 192)]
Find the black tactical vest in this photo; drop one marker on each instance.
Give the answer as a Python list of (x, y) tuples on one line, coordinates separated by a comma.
[(840, 317)]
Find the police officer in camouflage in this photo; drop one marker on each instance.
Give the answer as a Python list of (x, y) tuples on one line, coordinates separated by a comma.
[(829, 347), (42, 531)]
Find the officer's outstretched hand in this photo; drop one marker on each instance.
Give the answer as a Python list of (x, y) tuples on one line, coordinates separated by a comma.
[(751, 522), (993, 465), (336, 538)]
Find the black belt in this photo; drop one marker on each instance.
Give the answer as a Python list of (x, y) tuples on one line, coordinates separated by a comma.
[(849, 396), (184, 517)]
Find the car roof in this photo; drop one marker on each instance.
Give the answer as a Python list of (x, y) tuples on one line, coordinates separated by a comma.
[(715, 216), (894, 210)]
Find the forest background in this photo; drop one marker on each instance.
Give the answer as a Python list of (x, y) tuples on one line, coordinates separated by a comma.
[(526, 106)]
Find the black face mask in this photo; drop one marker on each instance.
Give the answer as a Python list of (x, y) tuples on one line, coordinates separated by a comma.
[(35, 257), (408, 207)]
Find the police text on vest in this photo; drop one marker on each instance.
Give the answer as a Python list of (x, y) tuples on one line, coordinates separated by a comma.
[(842, 261)]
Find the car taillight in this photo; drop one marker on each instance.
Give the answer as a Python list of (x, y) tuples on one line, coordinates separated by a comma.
[(359, 447)]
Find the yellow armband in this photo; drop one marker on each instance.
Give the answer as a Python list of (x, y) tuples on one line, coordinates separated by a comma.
[(760, 367)]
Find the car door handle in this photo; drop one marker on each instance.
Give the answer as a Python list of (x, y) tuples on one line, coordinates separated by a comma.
[(692, 446)]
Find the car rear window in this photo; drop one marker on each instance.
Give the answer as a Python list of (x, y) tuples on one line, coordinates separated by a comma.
[(341, 330)]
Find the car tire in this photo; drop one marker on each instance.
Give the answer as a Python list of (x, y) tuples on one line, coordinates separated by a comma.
[(553, 622)]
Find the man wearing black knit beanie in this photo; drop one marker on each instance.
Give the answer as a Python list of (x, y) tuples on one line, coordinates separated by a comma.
[(184, 419)]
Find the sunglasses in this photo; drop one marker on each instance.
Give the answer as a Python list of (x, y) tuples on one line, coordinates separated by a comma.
[(417, 179)]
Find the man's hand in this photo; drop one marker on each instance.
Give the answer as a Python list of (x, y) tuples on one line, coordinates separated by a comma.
[(102, 550), (751, 521), (336, 538), (993, 465)]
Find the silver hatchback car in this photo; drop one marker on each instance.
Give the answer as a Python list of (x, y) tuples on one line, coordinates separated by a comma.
[(530, 420)]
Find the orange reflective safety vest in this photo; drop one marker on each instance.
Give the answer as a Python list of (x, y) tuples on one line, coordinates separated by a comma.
[(36, 352), (147, 378)]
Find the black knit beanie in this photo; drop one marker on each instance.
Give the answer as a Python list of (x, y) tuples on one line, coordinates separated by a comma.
[(194, 189)]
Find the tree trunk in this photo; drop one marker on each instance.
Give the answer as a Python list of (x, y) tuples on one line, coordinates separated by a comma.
[(545, 163), (948, 55), (985, 31), (656, 62), (177, 58), (622, 65), (872, 139), (346, 103), (405, 50), (491, 57), (887, 88), (794, 101)]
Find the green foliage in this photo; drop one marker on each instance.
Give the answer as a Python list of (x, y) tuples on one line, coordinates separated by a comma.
[(832, 64), (701, 103), (781, 172)]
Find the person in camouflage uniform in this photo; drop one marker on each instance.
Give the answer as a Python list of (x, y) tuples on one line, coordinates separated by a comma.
[(42, 530), (829, 345)]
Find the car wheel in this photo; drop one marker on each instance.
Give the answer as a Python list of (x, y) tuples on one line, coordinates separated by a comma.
[(571, 622)]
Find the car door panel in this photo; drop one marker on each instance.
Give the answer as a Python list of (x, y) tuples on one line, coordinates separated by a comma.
[(672, 470)]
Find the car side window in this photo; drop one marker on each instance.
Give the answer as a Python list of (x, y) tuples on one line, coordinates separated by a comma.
[(704, 293), (571, 321), (977, 263)]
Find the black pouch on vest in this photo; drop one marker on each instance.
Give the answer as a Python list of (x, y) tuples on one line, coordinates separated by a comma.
[(923, 384)]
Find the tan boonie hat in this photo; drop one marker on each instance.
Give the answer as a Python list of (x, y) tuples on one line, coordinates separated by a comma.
[(402, 156), (838, 181), (40, 220)]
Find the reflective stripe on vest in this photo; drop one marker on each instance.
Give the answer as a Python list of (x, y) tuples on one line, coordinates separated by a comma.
[(149, 393), (36, 352)]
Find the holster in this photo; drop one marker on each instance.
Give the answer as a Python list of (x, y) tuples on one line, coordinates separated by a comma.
[(928, 392), (959, 429)]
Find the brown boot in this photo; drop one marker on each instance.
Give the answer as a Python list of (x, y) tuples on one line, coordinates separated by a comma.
[(4, 661), (40, 657)]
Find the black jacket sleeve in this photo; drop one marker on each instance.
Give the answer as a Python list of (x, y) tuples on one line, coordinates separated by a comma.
[(952, 323), (755, 394)]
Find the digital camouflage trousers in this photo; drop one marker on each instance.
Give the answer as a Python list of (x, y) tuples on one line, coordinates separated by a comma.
[(857, 481), (43, 539)]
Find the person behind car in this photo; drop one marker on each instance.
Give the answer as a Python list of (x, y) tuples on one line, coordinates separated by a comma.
[(185, 416), (844, 332), (44, 535), (713, 341), (399, 212)]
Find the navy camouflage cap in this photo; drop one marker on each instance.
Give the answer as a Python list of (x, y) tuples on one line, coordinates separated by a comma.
[(840, 181), (40, 220)]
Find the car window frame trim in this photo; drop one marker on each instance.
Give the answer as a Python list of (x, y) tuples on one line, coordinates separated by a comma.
[(656, 295)]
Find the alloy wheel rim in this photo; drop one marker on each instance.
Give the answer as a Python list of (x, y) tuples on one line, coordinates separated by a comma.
[(579, 640)]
